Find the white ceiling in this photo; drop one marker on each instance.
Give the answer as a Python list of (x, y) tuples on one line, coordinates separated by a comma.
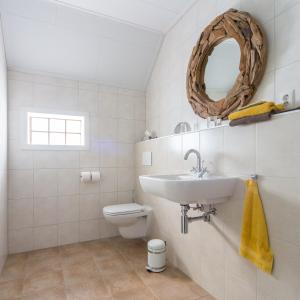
[(157, 15), (119, 48)]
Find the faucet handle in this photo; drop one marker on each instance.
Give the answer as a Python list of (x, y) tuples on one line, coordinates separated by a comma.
[(194, 170)]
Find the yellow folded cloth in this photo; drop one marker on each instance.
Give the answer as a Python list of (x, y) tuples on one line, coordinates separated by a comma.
[(255, 109), (254, 243)]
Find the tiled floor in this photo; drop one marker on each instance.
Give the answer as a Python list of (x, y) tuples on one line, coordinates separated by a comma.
[(105, 269)]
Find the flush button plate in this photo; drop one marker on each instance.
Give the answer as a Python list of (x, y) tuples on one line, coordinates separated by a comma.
[(147, 158)]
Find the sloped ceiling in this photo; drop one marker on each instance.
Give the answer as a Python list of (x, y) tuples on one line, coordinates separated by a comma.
[(86, 43)]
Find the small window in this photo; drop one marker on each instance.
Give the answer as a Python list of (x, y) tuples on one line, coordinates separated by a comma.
[(55, 129)]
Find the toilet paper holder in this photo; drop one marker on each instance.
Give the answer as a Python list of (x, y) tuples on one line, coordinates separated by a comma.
[(89, 176)]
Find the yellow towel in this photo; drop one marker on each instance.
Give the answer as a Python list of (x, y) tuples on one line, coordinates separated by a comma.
[(254, 236), (256, 109)]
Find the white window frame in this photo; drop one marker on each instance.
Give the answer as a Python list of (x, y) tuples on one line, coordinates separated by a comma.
[(25, 130)]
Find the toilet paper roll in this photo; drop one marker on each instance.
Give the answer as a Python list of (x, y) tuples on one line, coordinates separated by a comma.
[(95, 176), (85, 176)]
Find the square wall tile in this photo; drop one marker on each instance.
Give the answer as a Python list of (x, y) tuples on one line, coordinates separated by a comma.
[(126, 131), (91, 157), (89, 230), (289, 22), (87, 101), (281, 200), (45, 211), (239, 150), (109, 154), (108, 105), (211, 149), (45, 183), (20, 213), (20, 184), (20, 94), (126, 106), (68, 208), (278, 151), (108, 181), (108, 130), (68, 233), (20, 240), (45, 237), (125, 155), (19, 159), (125, 197), (68, 182), (126, 179), (89, 207), (284, 282)]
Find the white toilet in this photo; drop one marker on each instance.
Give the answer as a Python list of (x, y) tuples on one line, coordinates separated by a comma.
[(132, 219)]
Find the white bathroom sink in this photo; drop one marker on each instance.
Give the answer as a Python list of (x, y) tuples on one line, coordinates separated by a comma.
[(188, 189)]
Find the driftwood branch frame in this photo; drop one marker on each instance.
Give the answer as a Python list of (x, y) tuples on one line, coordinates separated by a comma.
[(243, 28)]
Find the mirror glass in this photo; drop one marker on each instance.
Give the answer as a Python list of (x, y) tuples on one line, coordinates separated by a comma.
[(222, 69)]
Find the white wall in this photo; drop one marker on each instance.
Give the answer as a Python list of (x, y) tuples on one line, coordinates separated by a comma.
[(209, 253), (3, 155), (48, 205), (166, 94)]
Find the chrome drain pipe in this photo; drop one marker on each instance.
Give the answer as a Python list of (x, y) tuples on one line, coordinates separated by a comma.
[(185, 219)]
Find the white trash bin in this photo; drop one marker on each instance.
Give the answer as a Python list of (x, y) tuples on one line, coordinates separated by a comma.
[(156, 256)]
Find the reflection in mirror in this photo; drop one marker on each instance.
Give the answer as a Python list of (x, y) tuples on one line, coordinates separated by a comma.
[(222, 69)]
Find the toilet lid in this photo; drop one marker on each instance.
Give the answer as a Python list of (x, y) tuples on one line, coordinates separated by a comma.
[(123, 209)]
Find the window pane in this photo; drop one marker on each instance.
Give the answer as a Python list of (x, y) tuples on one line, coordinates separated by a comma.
[(74, 126), (39, 124), (73, 139), (39, 138), (57, 125), (57, 139)]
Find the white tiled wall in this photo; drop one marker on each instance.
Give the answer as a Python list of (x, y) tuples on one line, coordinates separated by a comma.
[(209, 252), (48, 205), (3, 155), (166, 97)]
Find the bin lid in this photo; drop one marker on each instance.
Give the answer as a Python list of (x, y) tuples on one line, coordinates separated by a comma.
[(156, 244)]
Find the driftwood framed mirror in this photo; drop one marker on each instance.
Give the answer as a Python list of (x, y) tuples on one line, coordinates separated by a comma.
[(226, 65)]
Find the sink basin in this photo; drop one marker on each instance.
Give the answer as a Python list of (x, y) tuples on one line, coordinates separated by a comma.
[(188, 189)]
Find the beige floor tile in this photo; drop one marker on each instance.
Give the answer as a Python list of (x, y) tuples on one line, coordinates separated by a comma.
[(56, 293), (43, 253), (137, 261), (72, 258), (103, 251), (169, 275), (109, 269), (206, 298), (92, 289), (123, 282), (72, 248), (14, 267), (177, 291), (144, 294), (39, 281), (112, 265), (36, 264), (11, 289), (80, 272)]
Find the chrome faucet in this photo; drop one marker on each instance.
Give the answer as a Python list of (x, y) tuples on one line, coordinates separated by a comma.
[(199, 170)]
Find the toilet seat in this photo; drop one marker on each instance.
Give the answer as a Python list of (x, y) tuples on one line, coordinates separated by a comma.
[(123, 209)]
